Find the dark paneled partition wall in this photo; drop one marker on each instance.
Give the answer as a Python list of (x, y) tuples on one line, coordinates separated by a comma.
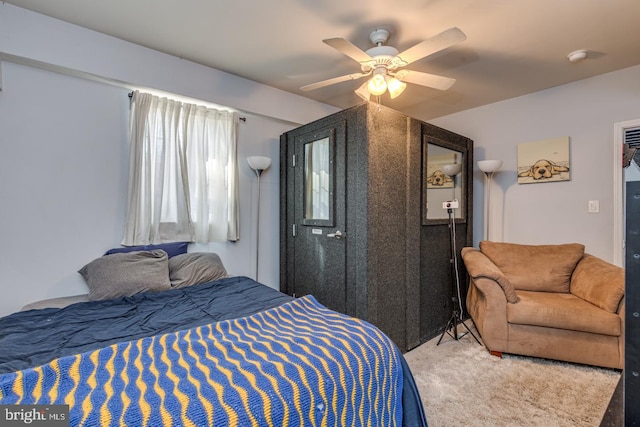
[(363, 227), (631, 372)]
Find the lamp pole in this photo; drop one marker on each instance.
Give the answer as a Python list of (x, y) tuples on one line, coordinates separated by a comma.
[(488, 178), (259, 164), (489, 167)]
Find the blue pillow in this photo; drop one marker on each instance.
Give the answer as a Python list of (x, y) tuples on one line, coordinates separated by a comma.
[(172, 249)]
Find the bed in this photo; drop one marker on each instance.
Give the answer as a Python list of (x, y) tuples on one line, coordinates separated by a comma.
[(229, 351)]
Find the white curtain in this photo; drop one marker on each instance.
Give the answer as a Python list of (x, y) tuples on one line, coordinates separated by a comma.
[(182, 173)]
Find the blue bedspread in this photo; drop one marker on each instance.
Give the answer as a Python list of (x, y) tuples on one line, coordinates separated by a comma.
[(295, 364)]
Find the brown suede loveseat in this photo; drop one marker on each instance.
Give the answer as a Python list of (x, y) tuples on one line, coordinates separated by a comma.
[(549, 301)]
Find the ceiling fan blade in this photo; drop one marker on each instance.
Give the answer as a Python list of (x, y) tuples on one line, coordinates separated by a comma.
[(348, 48), (432, 45), (425, 79), (333, 81)]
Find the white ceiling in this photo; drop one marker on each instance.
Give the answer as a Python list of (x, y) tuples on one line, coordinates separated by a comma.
[(513, 47)]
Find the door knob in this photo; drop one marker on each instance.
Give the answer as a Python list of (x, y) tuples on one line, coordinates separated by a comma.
[(337, 234)]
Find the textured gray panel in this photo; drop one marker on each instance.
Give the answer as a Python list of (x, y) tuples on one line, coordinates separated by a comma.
[(436, 289), (357, 205), (388, 190), (412, 235), (437, 278), (286, 217)]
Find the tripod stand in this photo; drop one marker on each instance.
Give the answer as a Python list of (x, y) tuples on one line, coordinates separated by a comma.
[(452, 325)]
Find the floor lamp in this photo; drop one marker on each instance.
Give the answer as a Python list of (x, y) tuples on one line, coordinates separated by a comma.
[(489, 167), (259, 164)]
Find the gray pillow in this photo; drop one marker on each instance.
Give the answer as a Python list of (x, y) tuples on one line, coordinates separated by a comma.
[(195, 267), (127, 274)]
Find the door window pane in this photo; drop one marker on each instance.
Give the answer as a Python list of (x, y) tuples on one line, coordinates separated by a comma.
[(317, 178)]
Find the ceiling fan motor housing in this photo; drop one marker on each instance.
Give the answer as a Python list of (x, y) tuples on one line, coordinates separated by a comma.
[(381, 56), (379, 36)]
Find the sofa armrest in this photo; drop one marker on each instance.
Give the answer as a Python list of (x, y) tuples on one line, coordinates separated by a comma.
[(487, 305), (621, 313), (479, 266)]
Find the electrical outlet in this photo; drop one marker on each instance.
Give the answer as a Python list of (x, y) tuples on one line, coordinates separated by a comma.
[(594, 206)]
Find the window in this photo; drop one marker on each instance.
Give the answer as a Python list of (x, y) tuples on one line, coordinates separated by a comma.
[(182, 173)]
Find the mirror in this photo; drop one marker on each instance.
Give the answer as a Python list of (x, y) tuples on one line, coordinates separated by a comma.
[(318, 185), (443, 171)]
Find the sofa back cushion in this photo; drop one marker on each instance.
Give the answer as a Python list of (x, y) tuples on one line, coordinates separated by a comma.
[(600, 283), (542, 268)]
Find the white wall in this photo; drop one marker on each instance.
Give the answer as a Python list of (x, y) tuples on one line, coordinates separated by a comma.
[(552, 212), (64, 161), (38, 39), (63, 178)]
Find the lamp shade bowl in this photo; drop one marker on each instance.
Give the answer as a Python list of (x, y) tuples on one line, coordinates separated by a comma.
[(259, 163), (452, 169), (489, 166)]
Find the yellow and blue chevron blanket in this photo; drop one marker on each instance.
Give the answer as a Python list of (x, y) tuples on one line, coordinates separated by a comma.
[(298, 364)]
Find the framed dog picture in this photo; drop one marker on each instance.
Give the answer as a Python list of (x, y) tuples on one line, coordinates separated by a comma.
[(544, 161), (439, 158), (437, 178)]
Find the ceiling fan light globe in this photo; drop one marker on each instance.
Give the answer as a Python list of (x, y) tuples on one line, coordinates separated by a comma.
[(395, 87), (377, 85)]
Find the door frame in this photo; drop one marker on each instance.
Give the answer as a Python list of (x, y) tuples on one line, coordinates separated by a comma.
[(619, 129)]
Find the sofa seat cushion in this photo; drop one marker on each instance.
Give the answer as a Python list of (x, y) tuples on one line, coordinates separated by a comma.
[(544, 268), (562, 311)]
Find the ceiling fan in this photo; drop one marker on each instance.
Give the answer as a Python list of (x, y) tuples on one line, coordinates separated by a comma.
[(383, 63)]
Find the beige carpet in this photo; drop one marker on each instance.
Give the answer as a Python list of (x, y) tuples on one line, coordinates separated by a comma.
[(462, 385)]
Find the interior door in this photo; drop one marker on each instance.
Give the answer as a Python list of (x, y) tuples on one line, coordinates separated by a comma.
[(321, 235)]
